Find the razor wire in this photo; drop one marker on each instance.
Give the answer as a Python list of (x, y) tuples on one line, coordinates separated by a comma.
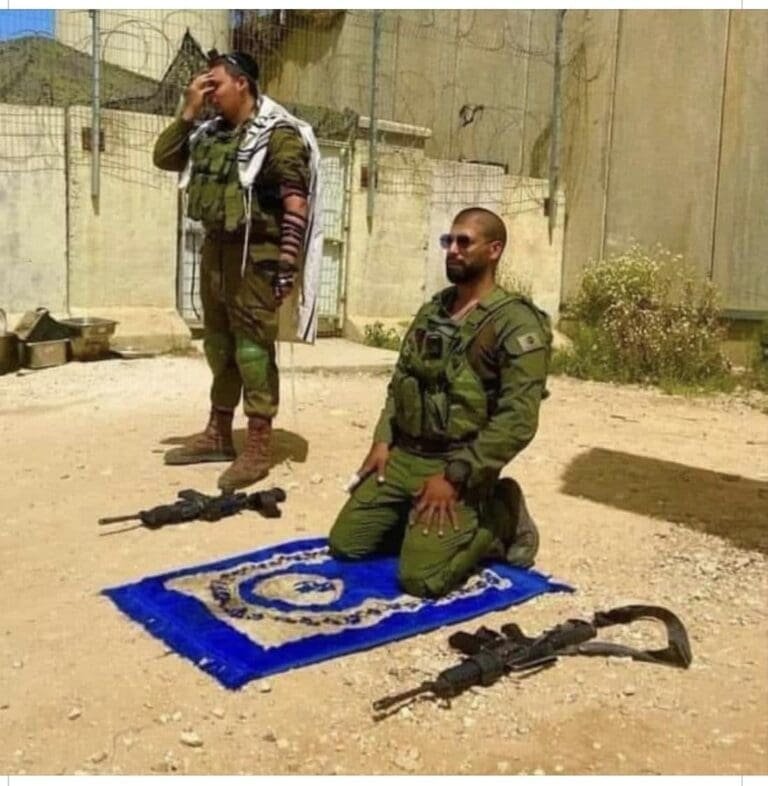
[(317, 62)]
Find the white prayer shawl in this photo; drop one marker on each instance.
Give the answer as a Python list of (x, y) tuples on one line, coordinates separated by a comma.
[(250, 159)]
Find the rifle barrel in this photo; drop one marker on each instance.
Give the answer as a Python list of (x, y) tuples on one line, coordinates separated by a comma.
[(390, 701), (119, 519), (118, 531)]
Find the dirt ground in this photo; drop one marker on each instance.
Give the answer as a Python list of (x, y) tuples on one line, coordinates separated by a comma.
[(641, 497)]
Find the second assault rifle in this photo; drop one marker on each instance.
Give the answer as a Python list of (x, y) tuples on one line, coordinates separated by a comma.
[(193, 505), (491, 655)]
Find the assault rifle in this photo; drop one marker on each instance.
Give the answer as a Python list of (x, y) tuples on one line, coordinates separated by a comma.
[(491, 655), (193, 505)]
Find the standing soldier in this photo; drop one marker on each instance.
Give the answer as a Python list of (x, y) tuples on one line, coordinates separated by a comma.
[(463, 401), (251, 178)]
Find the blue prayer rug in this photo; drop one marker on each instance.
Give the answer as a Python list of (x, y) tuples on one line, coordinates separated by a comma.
[(293, 604)]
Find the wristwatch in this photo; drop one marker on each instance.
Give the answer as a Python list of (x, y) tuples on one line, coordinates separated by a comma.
[(457, 472)]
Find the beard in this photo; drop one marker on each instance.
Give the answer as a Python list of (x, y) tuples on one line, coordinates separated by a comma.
[(463, 274)]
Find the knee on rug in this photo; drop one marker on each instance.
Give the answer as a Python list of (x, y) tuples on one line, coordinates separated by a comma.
[(423, 585), (342, 547)]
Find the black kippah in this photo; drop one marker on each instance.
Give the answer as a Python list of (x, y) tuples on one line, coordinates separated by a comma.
[(246, 64), (242, 61)]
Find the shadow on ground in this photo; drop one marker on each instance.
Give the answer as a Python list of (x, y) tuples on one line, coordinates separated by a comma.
[(286, 445), (730, 506)]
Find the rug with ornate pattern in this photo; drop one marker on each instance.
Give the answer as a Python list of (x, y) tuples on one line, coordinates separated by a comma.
[(293, 604)]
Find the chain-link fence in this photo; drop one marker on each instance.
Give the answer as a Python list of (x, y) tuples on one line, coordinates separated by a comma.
[(478, 84), (461, 101), (463, 108)]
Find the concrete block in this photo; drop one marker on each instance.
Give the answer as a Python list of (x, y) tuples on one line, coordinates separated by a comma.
[(147, 329)]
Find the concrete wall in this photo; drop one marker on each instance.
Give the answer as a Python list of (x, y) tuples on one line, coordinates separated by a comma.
[(124, 254), (663, 110), (739, 265), (33, 260), (531, 261), (59, 249), (386, 262), (665, 118), (396, 264), (538, 96), (587, 102), (456, 185), (116, 256), (123, 250), (431, 64), (143, 41), (663, 168)]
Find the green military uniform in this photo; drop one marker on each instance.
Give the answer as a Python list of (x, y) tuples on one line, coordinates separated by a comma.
[(239, 311), (467, 391)]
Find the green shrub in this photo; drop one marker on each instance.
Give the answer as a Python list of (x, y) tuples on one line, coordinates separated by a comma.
[(376, 335), (758, 377), (633, 279), (757, 372), (643, 317)]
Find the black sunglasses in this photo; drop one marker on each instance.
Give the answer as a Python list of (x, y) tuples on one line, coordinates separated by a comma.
[(463, 242)]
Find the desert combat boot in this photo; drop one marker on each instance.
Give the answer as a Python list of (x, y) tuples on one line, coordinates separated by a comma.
[(212, 444), (253, 463), (518, 539)]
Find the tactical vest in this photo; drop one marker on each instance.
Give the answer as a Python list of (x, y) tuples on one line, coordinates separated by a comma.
[(438, 394), (215, 196)]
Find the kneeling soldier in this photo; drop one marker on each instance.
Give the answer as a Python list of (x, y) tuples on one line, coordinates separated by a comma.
[(463, 402)]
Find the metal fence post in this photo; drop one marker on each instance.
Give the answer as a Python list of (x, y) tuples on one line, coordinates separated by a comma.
[(554, 141), (372, 128), (95, 111)]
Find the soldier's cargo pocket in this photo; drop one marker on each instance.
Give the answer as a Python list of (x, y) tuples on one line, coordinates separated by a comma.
[(368, 491), (254, 309)]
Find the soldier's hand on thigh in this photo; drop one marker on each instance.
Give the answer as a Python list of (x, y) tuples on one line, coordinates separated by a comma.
[(375, 461), (435, 506)]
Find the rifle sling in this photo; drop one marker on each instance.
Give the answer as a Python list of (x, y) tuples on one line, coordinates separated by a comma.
[(571, 638), (676, 653)]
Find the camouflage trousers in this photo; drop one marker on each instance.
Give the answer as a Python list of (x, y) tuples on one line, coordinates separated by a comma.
[(375, 520), (240, 324)]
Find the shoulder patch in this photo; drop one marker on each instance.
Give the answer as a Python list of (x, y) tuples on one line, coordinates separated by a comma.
[(522, 343), (529, 341)]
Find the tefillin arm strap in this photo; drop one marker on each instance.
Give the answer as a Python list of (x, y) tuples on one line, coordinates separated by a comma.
[(292, 230)]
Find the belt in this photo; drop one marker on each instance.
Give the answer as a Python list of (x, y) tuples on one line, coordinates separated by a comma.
[(222, 236), (428, 447)]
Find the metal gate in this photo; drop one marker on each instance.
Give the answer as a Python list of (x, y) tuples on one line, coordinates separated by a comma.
[(335, 169)]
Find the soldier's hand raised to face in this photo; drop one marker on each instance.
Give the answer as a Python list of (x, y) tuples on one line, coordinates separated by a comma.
[(435, 506), (195, 94)]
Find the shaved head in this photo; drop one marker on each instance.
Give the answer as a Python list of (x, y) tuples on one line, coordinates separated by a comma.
[(474, 246), (489, 224)]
